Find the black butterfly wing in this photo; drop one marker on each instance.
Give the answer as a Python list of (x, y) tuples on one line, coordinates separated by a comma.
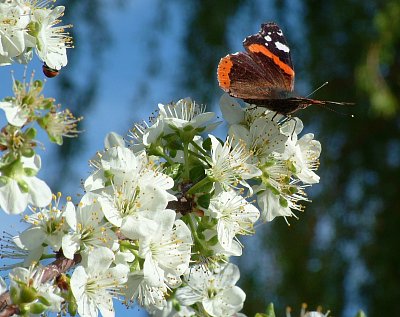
[(269, 49)]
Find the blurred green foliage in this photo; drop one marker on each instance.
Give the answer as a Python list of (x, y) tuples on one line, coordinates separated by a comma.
[(343, 248)]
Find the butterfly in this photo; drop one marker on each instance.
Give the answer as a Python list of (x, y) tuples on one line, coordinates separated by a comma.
[(263, 75)]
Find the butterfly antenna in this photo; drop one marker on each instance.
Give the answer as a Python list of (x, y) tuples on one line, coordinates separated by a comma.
[(325, 106), (323, 85)]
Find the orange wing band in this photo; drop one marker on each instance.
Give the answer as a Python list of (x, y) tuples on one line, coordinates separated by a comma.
[(257, 48), (224, 68)]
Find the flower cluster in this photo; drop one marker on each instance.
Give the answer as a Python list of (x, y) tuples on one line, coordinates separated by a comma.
[(287, 162), (31, 293), (161, 216), (27, 25), (19, 163)]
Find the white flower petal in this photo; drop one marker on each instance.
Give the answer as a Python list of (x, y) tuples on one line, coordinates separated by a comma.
[(135, 227), (270, 206), (40, 192), (71, 244), (32, 238), (14, 114), (99, 260), (3, 286), (12, 199), (113, 139), (231, 110)]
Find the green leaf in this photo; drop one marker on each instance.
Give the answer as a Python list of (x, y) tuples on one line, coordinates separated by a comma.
[(207, 144), (172, 153), (197, 173), (204, 201), (188, 128), (205, 188), (213, 241)]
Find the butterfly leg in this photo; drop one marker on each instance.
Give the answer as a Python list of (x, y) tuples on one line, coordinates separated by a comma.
[(276, 113), (294, 128)]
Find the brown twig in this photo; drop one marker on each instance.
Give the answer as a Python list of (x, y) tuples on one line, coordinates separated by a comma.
[(59, 266)]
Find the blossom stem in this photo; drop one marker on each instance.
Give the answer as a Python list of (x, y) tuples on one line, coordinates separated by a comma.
[(198, 242), (199, 148), (199, 184), (128, 245), (186, 159), (201, 157), (159, 151), (47, 256)]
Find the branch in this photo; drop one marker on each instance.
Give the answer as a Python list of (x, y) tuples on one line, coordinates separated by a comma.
[(59, 266)]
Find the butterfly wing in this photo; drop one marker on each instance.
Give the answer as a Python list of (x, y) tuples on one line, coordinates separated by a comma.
[(263, 72), (241, 77), (269, 49)]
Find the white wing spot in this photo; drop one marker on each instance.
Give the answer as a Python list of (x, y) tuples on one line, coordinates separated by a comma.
[(268, 38), (282, 47), (279, 32), (269, 33)]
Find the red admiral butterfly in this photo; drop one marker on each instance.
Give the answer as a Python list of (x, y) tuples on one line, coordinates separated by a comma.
[(264, 74)]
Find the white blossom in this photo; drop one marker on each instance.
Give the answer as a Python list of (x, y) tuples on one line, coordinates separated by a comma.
[(21, 277), (95, 284), (186, 113), (234, 215), (89, 231), (21, 187), (52, 41), (262, 138), (14, 37), (228, 166), (48, 226), (170, 311), (216, 290), (150, 297), (166, 250)]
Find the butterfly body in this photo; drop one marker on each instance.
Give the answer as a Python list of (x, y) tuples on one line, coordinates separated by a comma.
[(264, 74)]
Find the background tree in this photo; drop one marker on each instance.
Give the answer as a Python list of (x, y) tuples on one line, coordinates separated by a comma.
[(344, 245)]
